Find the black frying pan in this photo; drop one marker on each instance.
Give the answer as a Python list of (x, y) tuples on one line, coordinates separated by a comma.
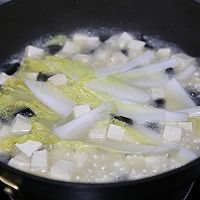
[(23, 21)]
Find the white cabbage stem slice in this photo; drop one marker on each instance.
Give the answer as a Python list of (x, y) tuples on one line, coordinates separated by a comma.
[(120, 89), (143, 79), (142, 113), (140, 60), (193, 112), (156, 67), (79, 127), (186, 74), (176, 97), (128, 147), (150, 134), (51, 97)]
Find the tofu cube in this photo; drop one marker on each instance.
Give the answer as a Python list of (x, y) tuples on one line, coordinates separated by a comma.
[(124, 39), (87, 43), (29, 147), (185, 125), (163, 52), (70, 48), (98, 133), (33, 52), (126, 36), (62, 169), (81, 110), (132, 53), (183, 60), (20, 161), (136, 45), (21, 125), (118, 58), (58, 79), (115, 132), (172, 133), (157, 93), (5, 131), (3, 78), (102, 55), (39, 161)]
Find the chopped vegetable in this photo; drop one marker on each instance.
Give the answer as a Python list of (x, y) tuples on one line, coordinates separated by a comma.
[(125, 67), (29, 147), (50, 97), (21, 125), (33, 52), (78, 127), (176, 96), (119, 89)]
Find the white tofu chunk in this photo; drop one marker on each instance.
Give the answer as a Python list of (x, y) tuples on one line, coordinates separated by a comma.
[(21, 125), (115, 132), (32, 75), (3, 78), (82, 57), (81, 110), (86, 43), (132, 53), (172, 133), (163, 52), (20, 161), (39, 161), (5, 131), (136, 45), (58, 79), (70, 48), (124, 39), (185, 125), (102, 55), (183, 60), (119, 57), (62, 169), (119, 41), (126, 36), (29, 147), (98, 133), (157, 93), (33, 52)]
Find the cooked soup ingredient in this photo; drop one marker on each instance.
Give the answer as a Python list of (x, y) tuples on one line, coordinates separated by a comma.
[(85, 109)]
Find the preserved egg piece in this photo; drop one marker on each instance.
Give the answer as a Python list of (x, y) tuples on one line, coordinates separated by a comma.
[(26, 112), (153, 125), (170, 71), (53, 48), (42, 77), (194, 95), (123, 119), (124, 51), (10, 68), (159, 103)]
